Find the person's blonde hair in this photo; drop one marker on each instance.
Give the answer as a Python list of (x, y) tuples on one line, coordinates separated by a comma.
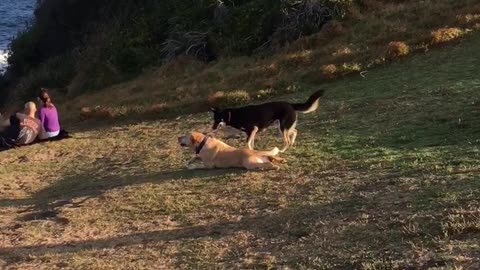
[(30, 106)]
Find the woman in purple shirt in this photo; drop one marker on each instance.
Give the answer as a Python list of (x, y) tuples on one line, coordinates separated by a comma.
[(48, 114)]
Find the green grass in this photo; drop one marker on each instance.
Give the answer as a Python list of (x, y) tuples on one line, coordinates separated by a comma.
[(385, 175)]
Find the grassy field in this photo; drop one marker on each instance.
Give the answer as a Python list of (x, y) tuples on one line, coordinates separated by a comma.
[(384, 175)]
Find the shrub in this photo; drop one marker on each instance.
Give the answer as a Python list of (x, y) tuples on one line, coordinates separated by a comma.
[(348, 68), (443, 35), (54, 73), (333, 28), (468, 19), (300, 18), (248, 27), (329, 71), (23, 57), (142, 33), (397, 49), (131, 60), (4, 83), (189, 43), (232, 98)]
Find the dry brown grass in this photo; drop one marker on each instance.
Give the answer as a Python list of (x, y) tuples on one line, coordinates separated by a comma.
[(443, 35), (329, 71), (96, 113), (469, 19), (397, 49), (379, 178), (229, 98)]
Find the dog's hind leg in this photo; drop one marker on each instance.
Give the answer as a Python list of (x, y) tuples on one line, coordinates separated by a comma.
[(251, 138), (293, 135), (288, 129), (279, 127), (261, 166), (286, 140), (268, 166)]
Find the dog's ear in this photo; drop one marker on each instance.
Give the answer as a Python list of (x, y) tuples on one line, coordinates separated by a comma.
[(196, 137)]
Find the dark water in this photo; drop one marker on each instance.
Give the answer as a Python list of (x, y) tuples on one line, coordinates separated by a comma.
[(14, 15)]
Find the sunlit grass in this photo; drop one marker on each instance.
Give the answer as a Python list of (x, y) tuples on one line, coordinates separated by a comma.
[(384, 175)]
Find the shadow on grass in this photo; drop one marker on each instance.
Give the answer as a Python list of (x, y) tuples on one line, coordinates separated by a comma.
[(317, 230), (43, 204)]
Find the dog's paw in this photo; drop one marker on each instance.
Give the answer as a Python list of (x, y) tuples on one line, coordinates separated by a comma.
[(196, 166), (233, 137), (191, 167)]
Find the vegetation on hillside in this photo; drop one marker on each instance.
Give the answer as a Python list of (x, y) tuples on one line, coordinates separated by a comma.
[(120, 38), (258, 48)]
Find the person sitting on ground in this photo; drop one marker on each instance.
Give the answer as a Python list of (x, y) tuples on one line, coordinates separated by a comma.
[(48, 114), (24, 129), (4, 122)]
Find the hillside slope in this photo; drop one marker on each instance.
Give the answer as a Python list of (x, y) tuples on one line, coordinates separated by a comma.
[(143, 56), (384, 175)]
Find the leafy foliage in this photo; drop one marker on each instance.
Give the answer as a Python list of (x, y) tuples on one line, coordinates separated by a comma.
[(145, 31), (148, 32)]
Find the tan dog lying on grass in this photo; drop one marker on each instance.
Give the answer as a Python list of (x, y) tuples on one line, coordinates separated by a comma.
[(217, 154)]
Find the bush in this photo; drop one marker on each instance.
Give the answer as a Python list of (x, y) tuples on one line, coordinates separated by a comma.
[(150, 32), (57, 72), (300, 18), (329, 71), (228, 99), (3, 87), (443, 35), (397, 49), (24, 57)]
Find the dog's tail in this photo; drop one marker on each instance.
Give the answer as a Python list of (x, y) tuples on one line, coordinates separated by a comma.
[(311, 104), (270, 153)]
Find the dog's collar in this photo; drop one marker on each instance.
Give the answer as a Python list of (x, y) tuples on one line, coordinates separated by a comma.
[(201, 145)]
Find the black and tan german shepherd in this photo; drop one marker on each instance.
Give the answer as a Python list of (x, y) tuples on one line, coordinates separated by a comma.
[(254, 118)]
